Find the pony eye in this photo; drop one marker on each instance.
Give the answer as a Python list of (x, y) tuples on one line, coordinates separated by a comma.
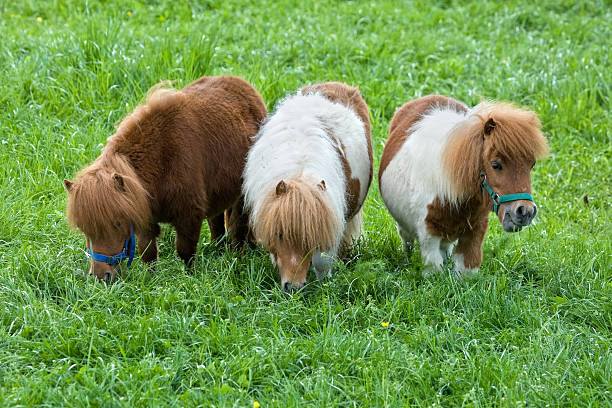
[(533, 165), (280, 236), (496, 165)]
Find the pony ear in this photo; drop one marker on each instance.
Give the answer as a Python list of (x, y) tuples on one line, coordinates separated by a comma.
[(68, 184), (322, 185), (119, 183), (489, 126), (281, 188)]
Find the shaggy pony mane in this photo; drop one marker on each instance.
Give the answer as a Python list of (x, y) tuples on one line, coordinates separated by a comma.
[(511, 131)]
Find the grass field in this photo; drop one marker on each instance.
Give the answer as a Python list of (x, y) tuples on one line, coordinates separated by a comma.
[(534, 328)]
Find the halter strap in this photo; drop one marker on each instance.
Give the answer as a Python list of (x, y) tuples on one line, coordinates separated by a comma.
[(129, 248), (500, 199)]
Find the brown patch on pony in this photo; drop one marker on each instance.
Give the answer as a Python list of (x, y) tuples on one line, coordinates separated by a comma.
[(351, 98), (499, 128), (450, 221), (183, 151), (353, 186), (405, 117), (297, 213)]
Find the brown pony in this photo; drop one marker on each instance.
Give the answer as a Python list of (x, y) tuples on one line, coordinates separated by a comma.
[(177, 159), (446, 166)]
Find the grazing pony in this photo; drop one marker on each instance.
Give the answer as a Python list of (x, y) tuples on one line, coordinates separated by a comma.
[(445, 167), (177, 159), (306, 178)]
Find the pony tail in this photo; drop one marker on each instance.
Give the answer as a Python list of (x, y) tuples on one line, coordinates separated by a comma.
[(462, 157)]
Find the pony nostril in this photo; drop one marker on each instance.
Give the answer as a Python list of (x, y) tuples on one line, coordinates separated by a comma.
[(108, 277), (521, 211), (287, 286)]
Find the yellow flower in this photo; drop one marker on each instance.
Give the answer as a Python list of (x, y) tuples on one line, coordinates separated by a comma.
[(256, 404), (129, 13), (39, 19), (384, 324)]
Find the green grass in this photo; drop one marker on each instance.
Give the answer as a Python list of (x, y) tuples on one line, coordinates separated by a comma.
[(533, 328)]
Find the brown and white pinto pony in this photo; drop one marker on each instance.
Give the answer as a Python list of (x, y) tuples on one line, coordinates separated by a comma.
[(436, 167), (177, 159), (306, 179)]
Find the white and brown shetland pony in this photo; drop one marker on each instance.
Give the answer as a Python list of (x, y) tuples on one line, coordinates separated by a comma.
[(306, 178), (445, 166)]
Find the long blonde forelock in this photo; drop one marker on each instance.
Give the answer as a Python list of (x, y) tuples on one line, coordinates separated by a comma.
[(302, 215)]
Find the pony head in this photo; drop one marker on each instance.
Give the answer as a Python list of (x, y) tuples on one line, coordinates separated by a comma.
[(106, 202), (294, 222), (494, 150)]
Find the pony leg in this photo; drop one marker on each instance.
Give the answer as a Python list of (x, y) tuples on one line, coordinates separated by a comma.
[(446, 248), (352, 233), (147, 244), (238, 223), (468, 252), (432, 254), (407, 239), (187, 237), (216, 225)]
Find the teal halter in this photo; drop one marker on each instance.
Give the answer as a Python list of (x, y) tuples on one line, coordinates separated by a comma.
[(497, 199)]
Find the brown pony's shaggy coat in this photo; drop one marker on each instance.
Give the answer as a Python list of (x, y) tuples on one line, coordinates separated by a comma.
[(178, 158)]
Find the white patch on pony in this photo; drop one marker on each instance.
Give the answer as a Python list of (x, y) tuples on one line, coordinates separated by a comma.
[(416, 176), (461, 271), (294, 143)]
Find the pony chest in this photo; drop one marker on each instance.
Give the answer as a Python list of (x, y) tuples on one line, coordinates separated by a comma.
[(450, 221)]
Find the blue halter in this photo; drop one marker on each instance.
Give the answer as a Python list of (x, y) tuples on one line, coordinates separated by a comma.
[(500, 199), (129, 247)]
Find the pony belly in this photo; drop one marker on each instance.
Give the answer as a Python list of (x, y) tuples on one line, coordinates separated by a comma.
[(407, 205), (409, 208)]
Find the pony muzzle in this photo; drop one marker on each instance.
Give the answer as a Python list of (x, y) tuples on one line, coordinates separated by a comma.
[(103, 271), (293, 270), (517, 214), (104, 266)]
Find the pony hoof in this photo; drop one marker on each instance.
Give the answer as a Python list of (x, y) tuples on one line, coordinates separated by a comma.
[(466, 273), (429, 272)]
